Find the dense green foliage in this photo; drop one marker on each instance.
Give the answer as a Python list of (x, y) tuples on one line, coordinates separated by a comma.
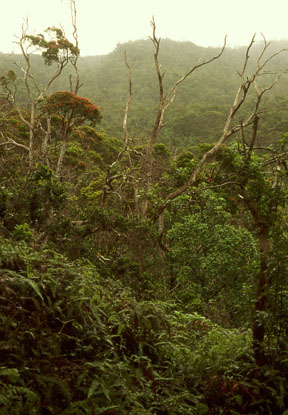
[(105, 309), (73, 342)]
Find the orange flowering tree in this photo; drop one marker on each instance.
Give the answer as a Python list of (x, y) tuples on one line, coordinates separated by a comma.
[(72, 108)]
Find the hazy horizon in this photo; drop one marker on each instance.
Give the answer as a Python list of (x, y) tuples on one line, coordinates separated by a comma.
[(101, 26)]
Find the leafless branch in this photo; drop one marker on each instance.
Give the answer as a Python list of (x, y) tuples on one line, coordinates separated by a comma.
[(127, 150), (229, 130), (180, 80), (253, 139), (13, 142), (165, 101), (75, 36), (127, 109)]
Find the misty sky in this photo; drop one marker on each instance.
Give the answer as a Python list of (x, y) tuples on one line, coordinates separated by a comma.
[(103, 24)]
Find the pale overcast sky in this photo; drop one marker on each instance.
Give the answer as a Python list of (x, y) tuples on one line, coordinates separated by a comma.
[(103, 24)]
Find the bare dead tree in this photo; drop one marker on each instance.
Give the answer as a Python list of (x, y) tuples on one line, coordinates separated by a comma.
[(228, 130), (165, 99), (164, 102), (128, 139), (75, 89), (127, 151)]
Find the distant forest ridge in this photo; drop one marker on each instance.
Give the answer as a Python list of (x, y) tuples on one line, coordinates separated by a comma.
[(202, 101)]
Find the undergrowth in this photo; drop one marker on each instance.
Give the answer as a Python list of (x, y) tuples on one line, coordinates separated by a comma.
[(72, 342)]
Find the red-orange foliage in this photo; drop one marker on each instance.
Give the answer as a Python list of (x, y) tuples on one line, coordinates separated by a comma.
[(79, 109)]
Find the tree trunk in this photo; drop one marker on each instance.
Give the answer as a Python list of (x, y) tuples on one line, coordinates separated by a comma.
[(260, 306), (44, 144), (61, 157)]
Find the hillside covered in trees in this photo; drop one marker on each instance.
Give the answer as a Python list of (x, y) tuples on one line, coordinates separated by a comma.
[(143, 228), (201, 106)]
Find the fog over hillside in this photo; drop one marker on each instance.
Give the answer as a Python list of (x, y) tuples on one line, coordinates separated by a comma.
[(201, 104)]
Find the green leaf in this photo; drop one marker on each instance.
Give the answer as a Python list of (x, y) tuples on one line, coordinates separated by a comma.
[(105, 391), (93, 387), (238, 399), (35, 287)]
